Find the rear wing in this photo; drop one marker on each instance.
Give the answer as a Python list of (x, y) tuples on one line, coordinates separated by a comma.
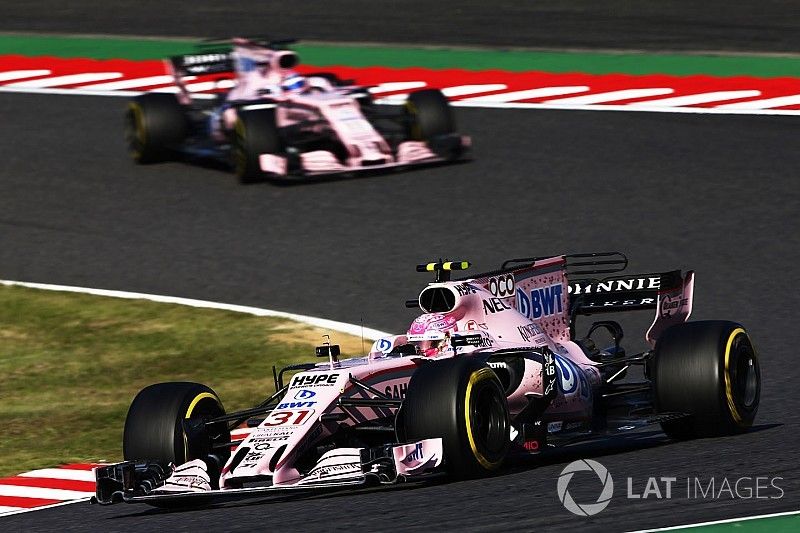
[(669, 293), (206, 63), (201, 63)]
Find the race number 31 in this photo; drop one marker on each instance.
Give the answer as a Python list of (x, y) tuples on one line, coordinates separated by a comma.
[(292, 418)]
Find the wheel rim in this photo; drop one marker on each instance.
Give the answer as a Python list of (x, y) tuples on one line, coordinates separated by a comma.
[(489, 422), (746, 384)]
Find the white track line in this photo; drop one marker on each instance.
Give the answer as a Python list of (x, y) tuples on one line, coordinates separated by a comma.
[(129, 84), (39, 492), (765, 103), (69, 79), (324, 323), (61, 473), (19, 74), (628, 107), (542, 92), (714, 522), (643, 107), (21, 510), (611, 96), (462, 90), (694, 99), (397, 86)]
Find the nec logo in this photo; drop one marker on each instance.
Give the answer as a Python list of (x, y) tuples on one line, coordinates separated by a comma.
[(541, 302)]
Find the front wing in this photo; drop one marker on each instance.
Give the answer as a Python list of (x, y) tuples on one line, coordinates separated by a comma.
[(148, 481)]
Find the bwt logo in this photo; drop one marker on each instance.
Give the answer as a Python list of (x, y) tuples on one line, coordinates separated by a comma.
[(415, 455), (585, 509), (541, 302), (304, 394)]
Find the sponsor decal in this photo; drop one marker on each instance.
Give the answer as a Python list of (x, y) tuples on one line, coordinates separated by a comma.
[(398, 391), (570, 376), (494, 305), (549, 373), (478, 340), (272, 433), (554, 427), (642, 283), (260, 444), (314, 380), (464, 289), (620, 303), (531, 445), (304, 394), (672, 304), (540, 302), (529, 331), (204, 58), (294, 405), (415, 455), (384, 345), (502, 286)]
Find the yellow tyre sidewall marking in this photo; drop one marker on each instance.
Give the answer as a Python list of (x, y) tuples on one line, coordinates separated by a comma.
[(728, 386), (197, 399), (416, 132), (141, 133), (480, 375)]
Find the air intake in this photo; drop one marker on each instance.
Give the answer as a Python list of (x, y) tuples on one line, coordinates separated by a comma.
[(437, 300)]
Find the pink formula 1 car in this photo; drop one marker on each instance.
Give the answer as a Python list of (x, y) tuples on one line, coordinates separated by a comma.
[(276, 123), (491, 369)]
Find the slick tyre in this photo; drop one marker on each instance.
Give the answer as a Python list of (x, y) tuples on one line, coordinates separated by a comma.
[(708, 370), (155, 127), (462, 401), (429, 115), (255, 133), (164, 424)]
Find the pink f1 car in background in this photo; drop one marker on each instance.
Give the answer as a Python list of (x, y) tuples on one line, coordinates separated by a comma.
[(493, 368), (276, 123)]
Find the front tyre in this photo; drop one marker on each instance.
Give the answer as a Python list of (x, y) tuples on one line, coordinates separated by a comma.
[(461, 401), (165, 424), (429, 115), (155, 127), (255, 133), (708, 370)]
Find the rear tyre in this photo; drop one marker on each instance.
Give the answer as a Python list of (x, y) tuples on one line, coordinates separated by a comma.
[(155, 126), (462, 401), (163, 424), (429, 115), (709, 370), (255, 133)]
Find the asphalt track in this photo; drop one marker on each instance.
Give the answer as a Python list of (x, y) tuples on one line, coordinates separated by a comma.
[(717, 25), (713, 193)]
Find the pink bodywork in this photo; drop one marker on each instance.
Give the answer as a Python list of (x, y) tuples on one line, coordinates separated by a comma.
[(525, 308)]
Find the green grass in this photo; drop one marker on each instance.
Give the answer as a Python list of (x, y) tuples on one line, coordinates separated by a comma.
[(70, 364), (325, 55)]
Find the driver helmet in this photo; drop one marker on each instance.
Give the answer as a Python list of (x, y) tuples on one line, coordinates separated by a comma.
[(294, 83)]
